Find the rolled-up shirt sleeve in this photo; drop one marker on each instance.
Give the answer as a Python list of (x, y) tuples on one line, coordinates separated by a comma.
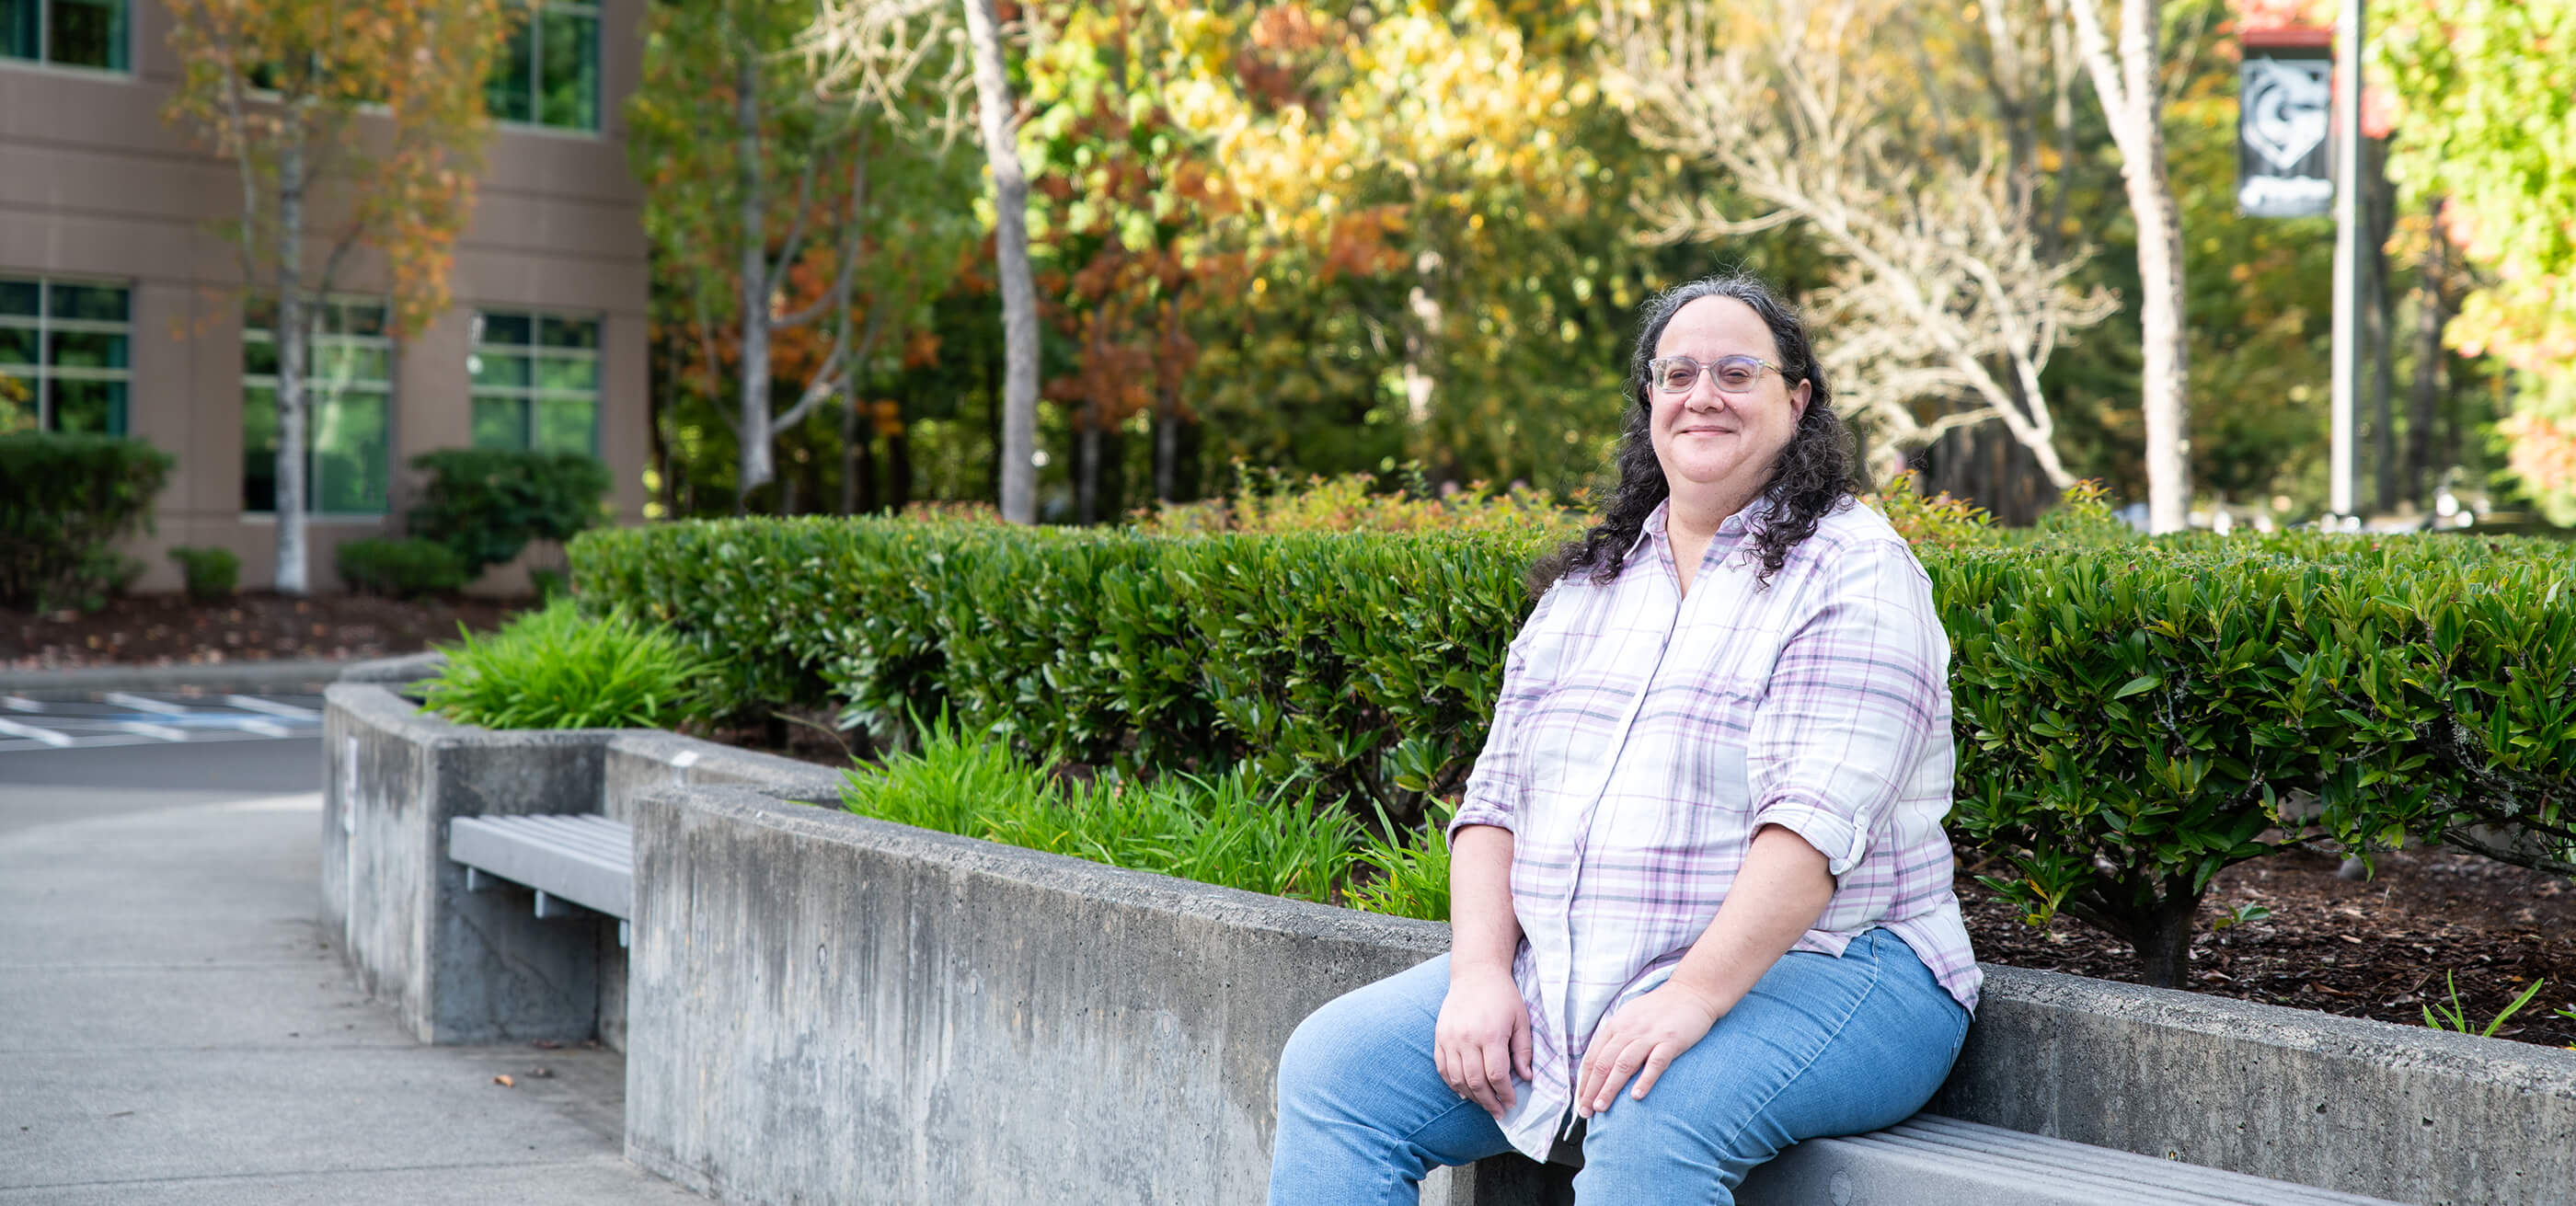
[(1850, 704), (1496, 786)]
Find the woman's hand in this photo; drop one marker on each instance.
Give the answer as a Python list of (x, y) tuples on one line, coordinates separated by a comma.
[(1483, 1039), (1649, 1034)]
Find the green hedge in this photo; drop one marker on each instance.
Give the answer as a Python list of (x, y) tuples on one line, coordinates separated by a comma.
[(2132, 715), (65, 502)]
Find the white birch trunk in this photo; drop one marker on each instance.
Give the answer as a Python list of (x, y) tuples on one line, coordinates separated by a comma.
[(753, 465), (293, 347), (1011, 251), (2132, 100)]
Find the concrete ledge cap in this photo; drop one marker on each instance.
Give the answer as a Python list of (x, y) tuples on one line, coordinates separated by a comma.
[(1059, 872)]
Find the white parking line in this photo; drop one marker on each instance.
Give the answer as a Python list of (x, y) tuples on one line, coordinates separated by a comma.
[(48, 736), (141, 703), (161, 732), (254, 703), (20, 703)]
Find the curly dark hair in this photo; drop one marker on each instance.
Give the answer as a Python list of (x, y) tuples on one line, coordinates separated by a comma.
[(1815, 472)]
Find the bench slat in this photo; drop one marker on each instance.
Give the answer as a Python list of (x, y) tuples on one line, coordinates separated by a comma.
[(1929, 1160), (583, 858)]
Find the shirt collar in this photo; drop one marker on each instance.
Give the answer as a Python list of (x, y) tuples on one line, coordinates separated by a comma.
[(1745, 522)]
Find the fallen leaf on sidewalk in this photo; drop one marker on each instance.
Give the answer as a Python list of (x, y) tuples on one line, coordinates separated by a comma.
[(504, 1081)]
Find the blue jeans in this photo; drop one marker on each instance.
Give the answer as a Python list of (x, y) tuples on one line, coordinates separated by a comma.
[(1821, 1046)]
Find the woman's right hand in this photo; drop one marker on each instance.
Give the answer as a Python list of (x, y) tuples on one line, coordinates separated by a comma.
[(1483, 1039)]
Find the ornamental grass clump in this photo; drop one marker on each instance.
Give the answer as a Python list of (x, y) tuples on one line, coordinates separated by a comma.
[(559, 669), (1223, 829)]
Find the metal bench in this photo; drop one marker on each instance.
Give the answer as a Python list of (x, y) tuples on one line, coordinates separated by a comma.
[(1929, 1160), (576, 862)]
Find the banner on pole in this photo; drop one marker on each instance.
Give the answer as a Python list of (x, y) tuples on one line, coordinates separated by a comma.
[(2284, 112)]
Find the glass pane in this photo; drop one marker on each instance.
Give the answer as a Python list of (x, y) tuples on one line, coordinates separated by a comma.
[(17, 403), (567, 427), (568, 333), (500, 423), (568, 73), (259, 356), (509, 94), (259, 448), (18, 28), (349, 455), (501, 328), (88, 349), (342, 363), (358, 318), (17, 345), (259, 313), (89, 33), (20, 297), (91, 406), (90, 303), (497, 369), (567, 373)]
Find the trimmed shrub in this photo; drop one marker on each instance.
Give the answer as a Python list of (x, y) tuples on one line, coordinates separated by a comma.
[(65, 502), (211, 574), (403, 569), (2133, 715), (556, 669), (488, 503)]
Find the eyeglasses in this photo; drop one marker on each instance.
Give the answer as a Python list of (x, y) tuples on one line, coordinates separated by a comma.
[(1734, 374)]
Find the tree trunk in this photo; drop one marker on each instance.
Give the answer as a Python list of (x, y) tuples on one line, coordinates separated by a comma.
[(2381, 205), (2162, 936), (898, 475), (858, 460), (1421, 340), (1167, 416), (2132, 99), (1000, 127), (293, 345), (1086, 474), (752, 259), (2430, 313)]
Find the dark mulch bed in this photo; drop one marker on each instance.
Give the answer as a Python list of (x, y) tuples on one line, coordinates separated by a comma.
[(2378, 948), (149, 630)]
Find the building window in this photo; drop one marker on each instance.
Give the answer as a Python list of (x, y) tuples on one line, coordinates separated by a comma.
[(348, 393), (63, 348), (67, 33), (549, 73), (536, 382)]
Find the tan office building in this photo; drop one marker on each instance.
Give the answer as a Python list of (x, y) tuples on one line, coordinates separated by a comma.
[(121, 308)]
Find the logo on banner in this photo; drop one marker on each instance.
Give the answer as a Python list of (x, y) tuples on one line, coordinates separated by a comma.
[(2287, 106)]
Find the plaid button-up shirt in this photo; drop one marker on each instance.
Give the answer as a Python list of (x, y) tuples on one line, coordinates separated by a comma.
[(1642, 737)]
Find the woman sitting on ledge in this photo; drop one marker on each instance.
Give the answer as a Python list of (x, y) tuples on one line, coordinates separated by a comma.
[(1701, 894)]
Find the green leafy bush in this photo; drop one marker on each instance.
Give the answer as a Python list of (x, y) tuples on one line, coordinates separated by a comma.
[(1367, 663), (1272, 502), (211, 574), (65, 501), (402, 569), (2133, 715), (1218, 829), (557, 669), (488, 503)]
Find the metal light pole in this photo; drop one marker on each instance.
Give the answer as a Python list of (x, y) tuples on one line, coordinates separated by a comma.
[(2345, 467)]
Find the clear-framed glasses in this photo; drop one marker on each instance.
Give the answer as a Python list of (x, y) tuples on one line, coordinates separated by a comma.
[(1734, 374)]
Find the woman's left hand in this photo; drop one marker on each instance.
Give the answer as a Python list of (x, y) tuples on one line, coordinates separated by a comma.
[(1642, 1040)]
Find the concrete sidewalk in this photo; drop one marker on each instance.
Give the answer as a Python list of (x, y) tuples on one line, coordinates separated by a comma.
[(176, 1028)]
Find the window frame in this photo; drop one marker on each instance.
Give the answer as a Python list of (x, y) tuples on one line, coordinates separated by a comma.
[(533, 29), (44, 324), (532, 393), (45, 62), (383, 341)]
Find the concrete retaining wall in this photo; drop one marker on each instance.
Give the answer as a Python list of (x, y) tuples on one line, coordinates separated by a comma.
[(828, 1008), (821, 1007), (480, 967)]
